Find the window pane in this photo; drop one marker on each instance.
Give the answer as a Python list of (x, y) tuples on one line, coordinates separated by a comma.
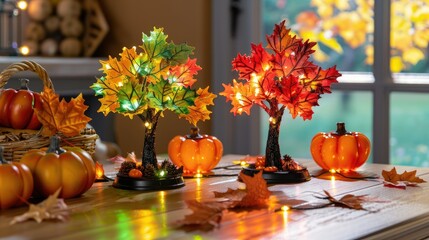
[(409, 129), (409, 36), (343, 30), (353, 108)]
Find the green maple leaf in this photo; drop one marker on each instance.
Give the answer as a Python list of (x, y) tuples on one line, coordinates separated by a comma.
[(178, 54), (181, 99), (158, 94), (131, 98), (155, 45)]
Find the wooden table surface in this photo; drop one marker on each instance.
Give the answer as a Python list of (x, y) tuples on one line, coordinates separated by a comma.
[(105, 212)]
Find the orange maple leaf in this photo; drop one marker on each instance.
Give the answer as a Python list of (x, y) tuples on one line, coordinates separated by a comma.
[(205, 215), (63, 117), (257, 191), (199, 112), (393, 179)]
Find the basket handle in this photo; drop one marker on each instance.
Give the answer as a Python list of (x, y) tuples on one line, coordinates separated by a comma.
[(24, 66)]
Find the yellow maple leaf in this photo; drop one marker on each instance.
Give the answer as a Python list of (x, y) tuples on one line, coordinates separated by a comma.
[(199, 112), (63, 117)]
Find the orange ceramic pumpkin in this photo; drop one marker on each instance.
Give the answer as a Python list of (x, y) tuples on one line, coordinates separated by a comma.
[(197, 153), (16, 183), (70, 168), (340, 150)]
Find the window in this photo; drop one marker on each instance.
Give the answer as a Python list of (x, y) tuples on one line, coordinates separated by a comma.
[(386, 100)]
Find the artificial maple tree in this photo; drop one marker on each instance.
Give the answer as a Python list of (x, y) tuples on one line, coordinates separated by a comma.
[(146, 84), (277, 77)]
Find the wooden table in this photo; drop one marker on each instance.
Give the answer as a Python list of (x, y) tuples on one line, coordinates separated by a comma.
[(105, 212)]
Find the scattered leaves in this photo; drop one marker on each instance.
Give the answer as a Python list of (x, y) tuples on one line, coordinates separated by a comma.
[(208, 215), (51, 208), (393, 179), (63, 117)]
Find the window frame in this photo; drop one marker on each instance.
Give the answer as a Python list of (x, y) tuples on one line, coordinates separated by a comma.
[(234, 130)]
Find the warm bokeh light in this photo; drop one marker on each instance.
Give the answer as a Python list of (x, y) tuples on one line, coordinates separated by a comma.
[(24, 50), (99, 171), (285, 208), (22, 5)]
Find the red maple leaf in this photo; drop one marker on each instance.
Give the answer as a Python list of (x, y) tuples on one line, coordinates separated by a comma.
[(183, 74), (279, 76)]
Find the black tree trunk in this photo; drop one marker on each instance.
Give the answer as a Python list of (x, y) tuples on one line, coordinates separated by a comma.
[(272, 151), (149, 154)]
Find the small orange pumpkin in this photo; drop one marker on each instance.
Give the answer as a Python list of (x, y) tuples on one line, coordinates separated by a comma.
[(197, 153), (69, 168), (135, 173), (340, 150), (16, 183)]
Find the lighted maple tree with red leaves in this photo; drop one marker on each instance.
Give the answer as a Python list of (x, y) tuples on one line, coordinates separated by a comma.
[(277, 77)]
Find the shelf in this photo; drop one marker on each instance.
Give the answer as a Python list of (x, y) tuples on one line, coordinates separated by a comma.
[(70, 76)]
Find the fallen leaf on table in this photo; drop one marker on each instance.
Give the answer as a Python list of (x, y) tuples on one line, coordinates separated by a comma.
[(393, 179), (231, 194), (347, 201), (207, 215), (51, 208), (257, 193)]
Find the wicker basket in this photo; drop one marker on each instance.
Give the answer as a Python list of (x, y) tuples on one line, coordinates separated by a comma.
[(17, 142)]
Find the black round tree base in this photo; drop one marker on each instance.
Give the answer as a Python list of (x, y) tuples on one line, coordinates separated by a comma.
[(295, 176), (125, 182)]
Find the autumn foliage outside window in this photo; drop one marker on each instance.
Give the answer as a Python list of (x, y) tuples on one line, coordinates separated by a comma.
[(344, 28)]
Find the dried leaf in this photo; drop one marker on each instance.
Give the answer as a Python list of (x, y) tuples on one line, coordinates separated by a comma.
[(257, 191), (348, 201), (393, 179), (231, 194), (391, 176), (62, 117), (51, 208), (206, 215)]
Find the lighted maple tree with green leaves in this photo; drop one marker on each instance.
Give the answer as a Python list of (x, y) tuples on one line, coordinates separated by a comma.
[(278, 77), (146, 84)]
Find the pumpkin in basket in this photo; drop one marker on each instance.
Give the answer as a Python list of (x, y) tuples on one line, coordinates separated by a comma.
[(16, 183), (197, 153), (69, 168), (17, 108)]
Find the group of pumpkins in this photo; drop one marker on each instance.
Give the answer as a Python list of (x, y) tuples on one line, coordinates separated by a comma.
[(40, 172)]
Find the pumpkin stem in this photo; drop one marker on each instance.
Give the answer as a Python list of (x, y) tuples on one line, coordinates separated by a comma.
[(54, 145), (2, 160), (195, 133), (24, 84), (341, 128)]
